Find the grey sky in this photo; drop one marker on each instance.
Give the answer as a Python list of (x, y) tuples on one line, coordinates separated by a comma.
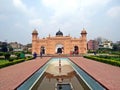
[(18, 18)]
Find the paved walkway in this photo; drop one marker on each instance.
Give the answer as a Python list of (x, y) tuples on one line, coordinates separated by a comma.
[(13, 76), (107, 75)]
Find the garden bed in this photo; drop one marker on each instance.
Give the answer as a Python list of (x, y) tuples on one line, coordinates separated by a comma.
[(113, 60), (5, 63)]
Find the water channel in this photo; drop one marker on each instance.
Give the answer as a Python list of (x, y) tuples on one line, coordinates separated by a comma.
[(60, 74)]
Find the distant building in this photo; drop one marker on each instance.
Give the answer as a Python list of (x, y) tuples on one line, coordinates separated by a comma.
[(92, 45), (28, 47), (108, 44), (118, 42), (16, 46), (3, 46)]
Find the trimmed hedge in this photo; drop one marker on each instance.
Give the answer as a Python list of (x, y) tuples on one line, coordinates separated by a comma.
[(29, 58), (12, 62), (108, 61)]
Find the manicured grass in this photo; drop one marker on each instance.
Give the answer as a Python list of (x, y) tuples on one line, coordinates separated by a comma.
[(113, 60)]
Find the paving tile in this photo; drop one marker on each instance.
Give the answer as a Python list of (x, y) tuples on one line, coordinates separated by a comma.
[(13, 76), (106, 74)]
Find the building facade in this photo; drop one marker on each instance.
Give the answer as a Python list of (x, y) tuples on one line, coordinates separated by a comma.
[(59, 44), (93, 45)]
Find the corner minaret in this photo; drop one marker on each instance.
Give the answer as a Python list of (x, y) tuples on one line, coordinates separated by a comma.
[(34, 40), (84, 40), (34, 35), (83, 33)]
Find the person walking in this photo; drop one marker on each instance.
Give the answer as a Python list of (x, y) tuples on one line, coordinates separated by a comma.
[(41, 54), (34, 55)]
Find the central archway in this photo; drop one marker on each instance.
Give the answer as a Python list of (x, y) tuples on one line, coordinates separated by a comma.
[(59, 49)]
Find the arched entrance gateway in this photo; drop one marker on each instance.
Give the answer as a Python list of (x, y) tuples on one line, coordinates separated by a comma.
[(59, 49), (59, 44)]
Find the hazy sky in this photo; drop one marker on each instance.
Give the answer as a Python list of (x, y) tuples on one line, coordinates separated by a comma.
[(18, 18)]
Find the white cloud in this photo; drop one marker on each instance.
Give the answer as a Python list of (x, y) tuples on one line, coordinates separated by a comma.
[(20, 5), (93, 3), (61, 7), (74, 8), (36, 22), (114, 12), (23, 7), (70, 6), (3, 17)]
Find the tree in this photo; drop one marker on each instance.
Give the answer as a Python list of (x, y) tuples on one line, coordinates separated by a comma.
[(4, 47), (116, 47)]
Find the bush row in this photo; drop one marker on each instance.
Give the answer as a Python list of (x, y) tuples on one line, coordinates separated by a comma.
[(12, 62), (108, 57), (112, 62)]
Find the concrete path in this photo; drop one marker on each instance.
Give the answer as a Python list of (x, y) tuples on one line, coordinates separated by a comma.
[(107, 75), (13, 76)]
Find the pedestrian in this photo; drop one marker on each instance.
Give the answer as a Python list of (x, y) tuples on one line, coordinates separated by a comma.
[(41, 54), (34, 55)]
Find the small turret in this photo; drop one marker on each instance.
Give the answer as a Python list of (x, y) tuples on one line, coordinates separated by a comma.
[(83, 32), (34, 34), (84, 40)]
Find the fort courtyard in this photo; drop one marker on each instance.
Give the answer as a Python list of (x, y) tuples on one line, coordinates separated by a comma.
[(62, 67)]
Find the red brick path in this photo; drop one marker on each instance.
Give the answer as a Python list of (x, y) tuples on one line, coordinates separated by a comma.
[(107, 75), (13, 76)]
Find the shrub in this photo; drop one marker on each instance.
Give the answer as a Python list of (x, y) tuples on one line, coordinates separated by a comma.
[(7, 56), (112, 62), (17, 54), (1, 53), (11, 63), (29, 58)]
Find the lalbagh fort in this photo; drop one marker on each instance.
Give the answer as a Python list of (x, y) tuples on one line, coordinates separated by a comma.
[(59, 44)]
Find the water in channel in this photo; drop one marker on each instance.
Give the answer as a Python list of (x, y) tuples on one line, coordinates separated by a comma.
[(59, 76)]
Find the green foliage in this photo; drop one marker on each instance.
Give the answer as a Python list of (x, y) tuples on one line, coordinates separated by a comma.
[(116, 47), (1, 53), (10, 63), (104, 60), (29, 58), (91, 51), (7, 55), (116, 53), (17, 54)]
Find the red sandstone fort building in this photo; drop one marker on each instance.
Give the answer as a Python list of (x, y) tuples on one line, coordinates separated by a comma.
[(59, 44)]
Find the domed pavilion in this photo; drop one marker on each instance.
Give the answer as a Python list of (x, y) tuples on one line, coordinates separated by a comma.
[(59, 44)]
